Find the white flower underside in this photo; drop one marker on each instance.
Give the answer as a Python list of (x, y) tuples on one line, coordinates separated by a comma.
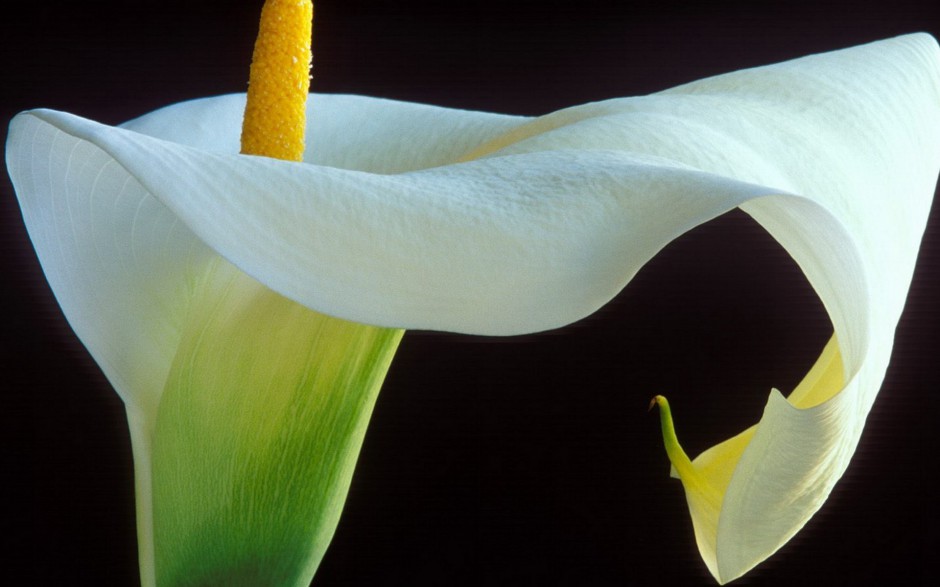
[(420, 217)]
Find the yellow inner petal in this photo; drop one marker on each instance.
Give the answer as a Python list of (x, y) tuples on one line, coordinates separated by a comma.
[(706, 479)]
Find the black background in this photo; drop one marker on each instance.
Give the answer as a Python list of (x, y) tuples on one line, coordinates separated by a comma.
[(517, 461)]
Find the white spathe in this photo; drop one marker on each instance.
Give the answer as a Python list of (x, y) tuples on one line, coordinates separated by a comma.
[(420, 217)]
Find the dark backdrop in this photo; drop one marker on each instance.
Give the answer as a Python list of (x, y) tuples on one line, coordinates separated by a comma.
[(489, 462)]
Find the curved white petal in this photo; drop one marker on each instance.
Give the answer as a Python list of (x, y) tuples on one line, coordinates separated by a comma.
[(547, 219), (496, 247), (500, 246), (857, 134), (350, 132), (117, 260)]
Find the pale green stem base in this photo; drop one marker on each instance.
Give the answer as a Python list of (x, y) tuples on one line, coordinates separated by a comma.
[(141, 430), (251, 455)]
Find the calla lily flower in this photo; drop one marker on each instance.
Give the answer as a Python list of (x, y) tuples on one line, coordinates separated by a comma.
[(412, 216)]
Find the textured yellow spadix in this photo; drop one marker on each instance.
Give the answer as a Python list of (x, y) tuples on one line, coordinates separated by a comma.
[(275, 115)]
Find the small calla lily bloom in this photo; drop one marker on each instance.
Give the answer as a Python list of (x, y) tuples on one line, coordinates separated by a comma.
[(411, 216)]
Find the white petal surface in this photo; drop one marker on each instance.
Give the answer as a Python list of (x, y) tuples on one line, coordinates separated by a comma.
[(116, 258), (501, 246), (121, 264), (350, 132), (836, 155)]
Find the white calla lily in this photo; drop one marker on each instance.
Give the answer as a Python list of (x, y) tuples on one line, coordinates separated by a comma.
[(412, 216)]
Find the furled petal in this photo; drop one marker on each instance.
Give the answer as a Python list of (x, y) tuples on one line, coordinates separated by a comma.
[(497, 246), (543, 221)]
